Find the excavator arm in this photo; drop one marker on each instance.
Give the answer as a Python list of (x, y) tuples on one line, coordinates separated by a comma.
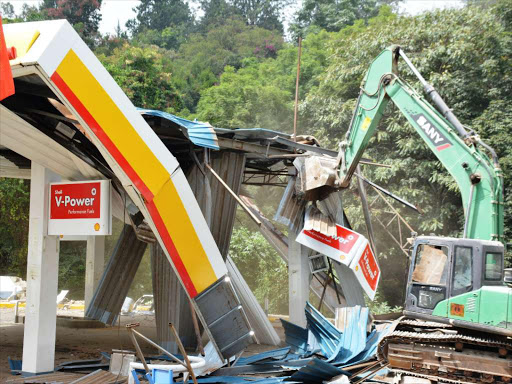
[(477, 174)]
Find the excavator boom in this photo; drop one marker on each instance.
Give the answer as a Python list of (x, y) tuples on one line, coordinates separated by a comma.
[(458, 318), (478, 176)]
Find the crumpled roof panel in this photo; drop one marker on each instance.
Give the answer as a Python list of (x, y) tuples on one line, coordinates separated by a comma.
[(200, 133)]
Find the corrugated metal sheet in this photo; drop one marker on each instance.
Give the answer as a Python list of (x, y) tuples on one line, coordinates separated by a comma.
[(100, 377), (171, 304), (290, 211), (275, 354), (117, 277), (250, 133), (317, 221), (295, 336), (333, 206), (353, 337), (200, 133), (260, 324), (317, 371), (221, 206), (53, 378)]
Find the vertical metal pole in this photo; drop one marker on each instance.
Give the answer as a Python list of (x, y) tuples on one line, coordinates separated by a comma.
[(16, 311), (297, 92)]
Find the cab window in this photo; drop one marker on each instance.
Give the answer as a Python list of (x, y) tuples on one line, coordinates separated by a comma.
[(493, 266), (462, 280), (431, 265)]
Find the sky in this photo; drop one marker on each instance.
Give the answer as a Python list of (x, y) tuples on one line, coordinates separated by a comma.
[(120, 11)]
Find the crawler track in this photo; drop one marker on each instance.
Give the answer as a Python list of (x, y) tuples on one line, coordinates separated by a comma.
[(444, 354)]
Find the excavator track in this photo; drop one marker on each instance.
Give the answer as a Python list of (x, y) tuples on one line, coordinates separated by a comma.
[(443, 354)]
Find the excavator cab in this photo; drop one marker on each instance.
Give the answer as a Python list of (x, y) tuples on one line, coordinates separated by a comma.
[(446, 277)]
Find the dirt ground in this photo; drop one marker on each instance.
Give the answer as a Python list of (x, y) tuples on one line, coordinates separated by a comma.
[(80, 344)]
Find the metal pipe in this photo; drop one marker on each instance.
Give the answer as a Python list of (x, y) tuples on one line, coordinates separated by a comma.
[(196, 327), (468, 213), (137, 347), (183, 352), (242, 204), (158, 347), (297, 93), (436, 98)]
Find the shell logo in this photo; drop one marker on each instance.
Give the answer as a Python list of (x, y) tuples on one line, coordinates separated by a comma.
[(97, 227), (357, 267), (342, 257)]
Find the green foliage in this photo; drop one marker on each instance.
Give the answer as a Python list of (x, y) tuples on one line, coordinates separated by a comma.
[(14, 209), (165, 23), (261, 93), (466, 55), (201, 60), (334, 15), (72, 268), (261, 13), (83, 14), (215, 12), (7, 10), (144, 73), (264, 271)]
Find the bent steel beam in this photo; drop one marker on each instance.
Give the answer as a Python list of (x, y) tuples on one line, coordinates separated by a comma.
[(149, 173)]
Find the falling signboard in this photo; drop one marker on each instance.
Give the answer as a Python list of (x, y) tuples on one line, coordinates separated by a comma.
[(347, 247)]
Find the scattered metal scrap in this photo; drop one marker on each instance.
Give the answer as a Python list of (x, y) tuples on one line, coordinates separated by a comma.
[(96, 377)]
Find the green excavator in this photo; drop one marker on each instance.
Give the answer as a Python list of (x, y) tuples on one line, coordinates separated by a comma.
[(457, 320)]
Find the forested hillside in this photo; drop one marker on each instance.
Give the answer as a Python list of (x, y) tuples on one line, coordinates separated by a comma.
[(235, 67)]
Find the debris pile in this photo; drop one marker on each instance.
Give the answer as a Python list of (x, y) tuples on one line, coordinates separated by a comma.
[(343, 352)]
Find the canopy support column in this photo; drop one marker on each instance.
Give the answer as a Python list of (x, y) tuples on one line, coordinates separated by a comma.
[(299, 275), (42, 278)]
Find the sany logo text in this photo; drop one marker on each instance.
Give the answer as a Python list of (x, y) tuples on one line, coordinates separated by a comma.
[(433, 134)]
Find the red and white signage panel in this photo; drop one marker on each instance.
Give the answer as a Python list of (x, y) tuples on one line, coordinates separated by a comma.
[(343, 247), (349, 248), (367, 271), (80, 208)]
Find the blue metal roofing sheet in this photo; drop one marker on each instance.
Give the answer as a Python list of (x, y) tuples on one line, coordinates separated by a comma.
[(199, 133), (296, 337), (276, 354), (317, 371)]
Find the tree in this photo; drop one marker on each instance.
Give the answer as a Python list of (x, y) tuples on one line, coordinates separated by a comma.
[(261, 93), (14, 210), (215, 12), (84, 15), (144, 74), (7, 11), (165, 23), (265, 272), (261, 13), (199, 62), (333, 15)]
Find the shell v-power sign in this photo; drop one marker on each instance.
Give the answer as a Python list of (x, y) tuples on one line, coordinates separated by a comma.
[(80, 208)]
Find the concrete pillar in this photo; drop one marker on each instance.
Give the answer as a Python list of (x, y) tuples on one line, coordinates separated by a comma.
[(94, 263), (42, 277), (299, 276)]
